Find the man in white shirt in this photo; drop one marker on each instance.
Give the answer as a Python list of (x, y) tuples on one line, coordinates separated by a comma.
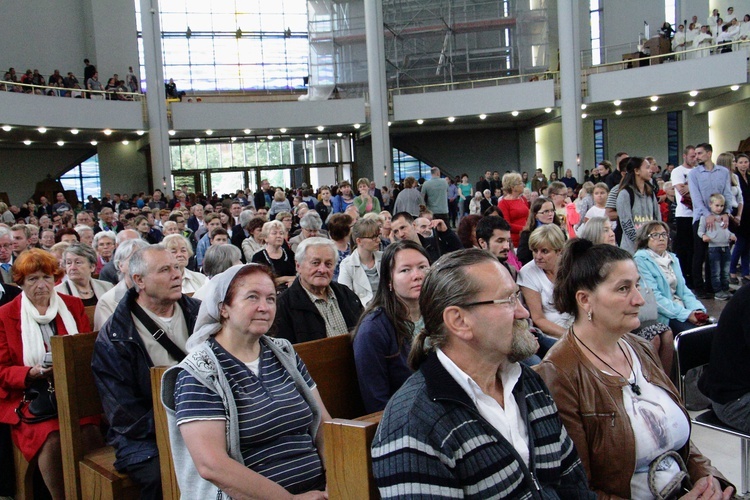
[(683, 242)]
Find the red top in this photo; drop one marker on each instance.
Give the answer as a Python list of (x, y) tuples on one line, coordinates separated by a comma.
[(515, 212)]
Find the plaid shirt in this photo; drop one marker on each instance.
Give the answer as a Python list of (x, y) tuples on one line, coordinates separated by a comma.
[(329, 309)]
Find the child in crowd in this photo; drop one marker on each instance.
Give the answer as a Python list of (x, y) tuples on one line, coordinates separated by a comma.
[(718, 240)]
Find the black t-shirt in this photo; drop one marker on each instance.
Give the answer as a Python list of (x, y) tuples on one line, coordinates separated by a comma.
[(283, 266)]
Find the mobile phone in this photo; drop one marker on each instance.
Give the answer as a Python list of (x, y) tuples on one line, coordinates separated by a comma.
[(47, 362)]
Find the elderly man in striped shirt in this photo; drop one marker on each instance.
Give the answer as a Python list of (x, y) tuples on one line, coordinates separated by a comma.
[(472, 422)]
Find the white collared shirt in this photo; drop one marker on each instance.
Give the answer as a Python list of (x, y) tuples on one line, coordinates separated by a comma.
[(508, 420)]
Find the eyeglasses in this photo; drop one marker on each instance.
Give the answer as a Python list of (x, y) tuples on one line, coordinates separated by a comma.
[(658, 236), (512, 300)]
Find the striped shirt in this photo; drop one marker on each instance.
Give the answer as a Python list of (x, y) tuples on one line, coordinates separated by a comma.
[(274, 419)]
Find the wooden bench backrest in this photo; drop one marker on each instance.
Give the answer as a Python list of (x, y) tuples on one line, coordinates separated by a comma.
[(170, 488), (90, 310), (330, 362), (77, 397)]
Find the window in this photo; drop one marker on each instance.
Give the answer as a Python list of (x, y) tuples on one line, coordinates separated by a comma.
[(595, 22), (599, 152), (405, 165), (84, 179), (673, 137), (226, 45), (670, 12)]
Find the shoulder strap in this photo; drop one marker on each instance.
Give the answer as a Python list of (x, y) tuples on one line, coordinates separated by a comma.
[(157, 333)]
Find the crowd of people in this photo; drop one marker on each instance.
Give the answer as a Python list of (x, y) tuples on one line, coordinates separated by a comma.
[(69, 85), (725, 31), (473, 331)]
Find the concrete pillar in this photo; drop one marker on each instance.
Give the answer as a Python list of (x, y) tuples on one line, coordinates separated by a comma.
[(570, 88), (156, 97), (382, 158)]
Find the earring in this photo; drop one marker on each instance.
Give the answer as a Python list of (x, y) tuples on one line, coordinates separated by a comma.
[(589, 315)]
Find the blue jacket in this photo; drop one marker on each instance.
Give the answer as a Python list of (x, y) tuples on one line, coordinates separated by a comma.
[(382, 366), (654, 278), (121, 371), (339, 205)]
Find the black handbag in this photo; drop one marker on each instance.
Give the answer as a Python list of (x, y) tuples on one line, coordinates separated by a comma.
[(40, 400)]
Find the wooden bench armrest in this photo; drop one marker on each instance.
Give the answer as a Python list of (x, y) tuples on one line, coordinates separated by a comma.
[(348, 459)]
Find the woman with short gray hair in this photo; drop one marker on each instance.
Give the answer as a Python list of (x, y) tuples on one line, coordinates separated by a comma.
[(104, 249), (183, 250), (310, 225), (218, 259), (275, 254), (79, 260)]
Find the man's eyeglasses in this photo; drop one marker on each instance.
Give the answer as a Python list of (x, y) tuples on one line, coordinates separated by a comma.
[(512, 300), (658, 236)]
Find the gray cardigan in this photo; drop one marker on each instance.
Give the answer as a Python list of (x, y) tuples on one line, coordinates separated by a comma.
[(203, 365)]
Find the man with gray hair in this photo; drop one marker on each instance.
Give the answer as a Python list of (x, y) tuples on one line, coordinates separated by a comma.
[(6, 255), (314, 307), (310, 225), (107, 303), (149, 327), (109, 271)]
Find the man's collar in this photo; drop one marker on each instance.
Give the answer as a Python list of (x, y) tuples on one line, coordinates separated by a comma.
[(313, 297)]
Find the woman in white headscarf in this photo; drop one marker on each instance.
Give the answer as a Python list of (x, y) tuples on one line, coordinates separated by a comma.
[(243, 412)]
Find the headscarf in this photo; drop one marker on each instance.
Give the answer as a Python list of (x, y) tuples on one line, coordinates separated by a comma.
[(209, 315)]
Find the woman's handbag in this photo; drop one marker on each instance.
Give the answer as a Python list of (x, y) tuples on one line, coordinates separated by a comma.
[(680, 483), (40, 399)]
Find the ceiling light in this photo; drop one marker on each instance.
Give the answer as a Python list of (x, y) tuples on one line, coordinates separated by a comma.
[(482, 116), (307, 136), (107, 131), (617, 102), (691, 103), (654, 98), (270, 137), (171, 132), (42, 130), (125, 142), (357, 125), (320, 138), (583, 106), (420, 121), (654, 108), (94, 143), (140, 132), (584, 115), (7, 128), (514, 113), (282, 130), (735, 87), (693, 93), (339, 134), (27, 142), (233, 139), (197, 140), (618, 112), (60, 143), (292, 139), (74, 131), (321, 128), (247, 131), (209, 132), (548, 110), (389, 124), (451, 119)]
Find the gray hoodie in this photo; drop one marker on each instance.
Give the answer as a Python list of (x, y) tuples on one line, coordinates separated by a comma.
[(644, 209)]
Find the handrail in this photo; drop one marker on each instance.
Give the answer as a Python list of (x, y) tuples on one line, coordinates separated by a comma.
[(134, 96), (484, 82)]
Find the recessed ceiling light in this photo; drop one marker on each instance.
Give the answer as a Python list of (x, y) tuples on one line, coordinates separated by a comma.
[(514, 113), (548, 110), (654, 98), (171, 132), (617, 102), (292, 139), (618, 112), (107, 131), (321, 128), (270, 137), (27, 142), (7, 128), (339, 134), (209, 132), (197, 140), (691, 103), (420, 121), (693, 93), (307, 136), (320, 138), (357, 125), (94, 143), (389, 124), (125, 142), (735, 87), (482, 116), (247, 131), (74, 131), (60, 143), (654, 108), (451, 119), (233, 139), (583, 106), (140, 132), (584, 115), (282, 130), (42, 130)]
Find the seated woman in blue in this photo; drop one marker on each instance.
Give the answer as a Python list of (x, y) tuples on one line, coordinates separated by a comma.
[(243, 412), (382, 339)]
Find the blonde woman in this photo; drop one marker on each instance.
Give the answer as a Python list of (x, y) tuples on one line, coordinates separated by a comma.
[(183, 250)]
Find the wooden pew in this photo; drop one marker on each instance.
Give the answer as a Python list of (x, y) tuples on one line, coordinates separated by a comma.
[(90, 310), (169, 486), (93, 475)]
